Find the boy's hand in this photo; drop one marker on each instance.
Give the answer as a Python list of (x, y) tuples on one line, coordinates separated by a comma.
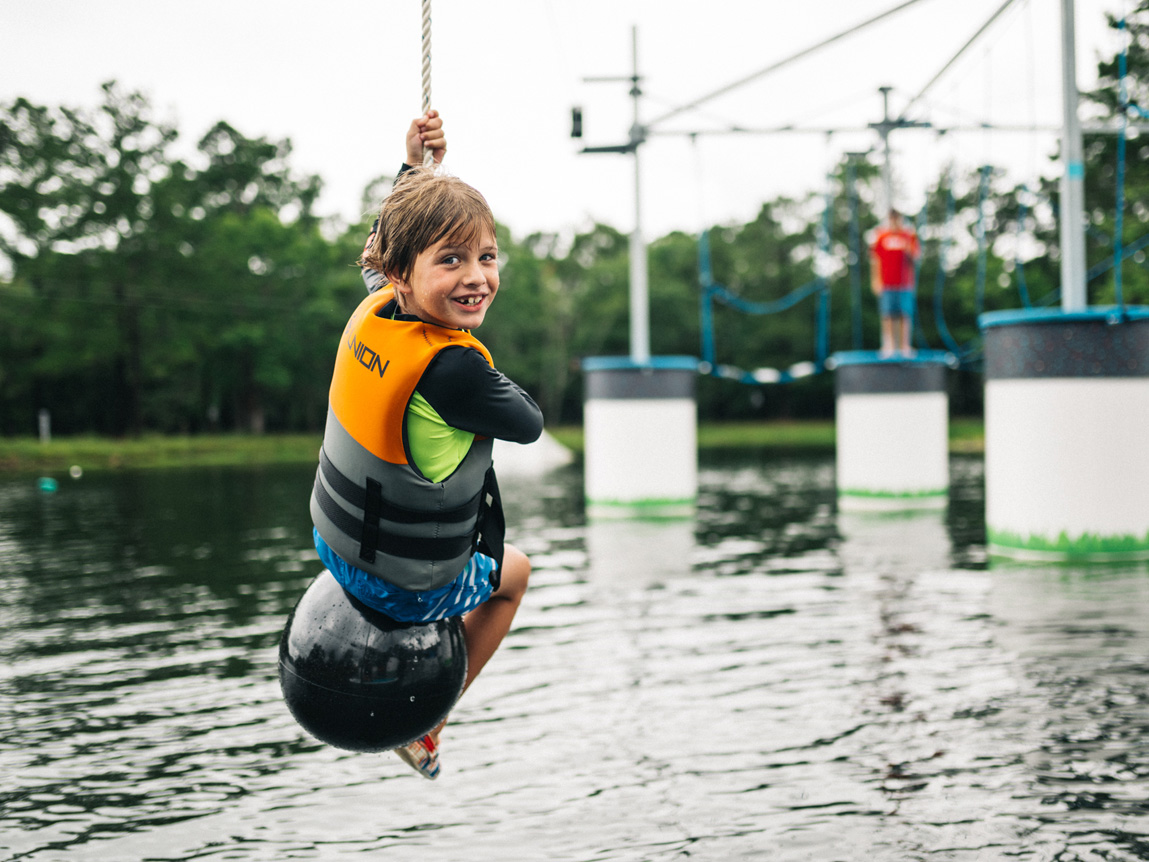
[(426, 132)]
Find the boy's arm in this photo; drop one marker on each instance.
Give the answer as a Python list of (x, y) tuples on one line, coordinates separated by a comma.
[(424, 133), (470, 395), (373, 279)]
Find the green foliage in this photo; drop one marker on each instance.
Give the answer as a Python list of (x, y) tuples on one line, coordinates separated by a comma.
[(148, 293), (144, 292), (1103, 166)]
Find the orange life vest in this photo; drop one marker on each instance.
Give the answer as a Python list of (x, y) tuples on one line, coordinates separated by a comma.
[(370, 503)]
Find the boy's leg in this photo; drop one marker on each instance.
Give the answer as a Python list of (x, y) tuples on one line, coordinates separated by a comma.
[(904, 345), (485, 627), (885, 313), (906, 323), (887, 335)]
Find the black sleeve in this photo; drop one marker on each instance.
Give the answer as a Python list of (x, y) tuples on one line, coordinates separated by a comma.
[(471, 395), (373, 279)]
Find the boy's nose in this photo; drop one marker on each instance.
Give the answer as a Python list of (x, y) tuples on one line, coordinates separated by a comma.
[(473, 273)]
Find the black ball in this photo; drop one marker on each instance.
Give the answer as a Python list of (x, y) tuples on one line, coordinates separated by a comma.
[(357, 679)]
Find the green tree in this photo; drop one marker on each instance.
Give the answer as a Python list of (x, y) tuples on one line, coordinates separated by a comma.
[(1107, 167), (258, 254), (78, 190), (149, 292)]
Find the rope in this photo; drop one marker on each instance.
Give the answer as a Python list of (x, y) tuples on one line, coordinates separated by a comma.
[(968, 353), (1119, 220), (723, 295), (708, 286), (713, 292), (940, 279), (1018, 265), (954, 59), (919, 335), (855, 255), (778, 65), (428, 156), (1127, 252), (982, 247)]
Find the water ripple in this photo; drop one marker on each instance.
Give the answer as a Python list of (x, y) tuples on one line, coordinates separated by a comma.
[(772, 680)]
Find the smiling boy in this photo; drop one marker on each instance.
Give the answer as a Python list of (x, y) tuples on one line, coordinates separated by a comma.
[(406, 506)]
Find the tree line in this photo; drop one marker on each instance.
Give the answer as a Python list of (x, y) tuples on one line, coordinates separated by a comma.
[(145, 292)]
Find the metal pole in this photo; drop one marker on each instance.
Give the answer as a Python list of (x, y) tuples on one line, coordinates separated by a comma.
[(855, 252), (1073, 176), (887, 174), (822, 345), (639, 301)]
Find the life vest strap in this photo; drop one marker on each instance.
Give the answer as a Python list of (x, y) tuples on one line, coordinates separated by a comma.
[(410, 547), (360, 498), (492, 526), (371, 509)]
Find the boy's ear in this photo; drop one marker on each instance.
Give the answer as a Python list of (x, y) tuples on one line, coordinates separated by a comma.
[(398, 283)]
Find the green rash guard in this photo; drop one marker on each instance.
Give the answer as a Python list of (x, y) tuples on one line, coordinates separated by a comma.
[(436, 448)]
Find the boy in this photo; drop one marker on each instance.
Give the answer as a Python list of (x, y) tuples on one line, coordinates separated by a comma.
[(893, 256), (406, 507)]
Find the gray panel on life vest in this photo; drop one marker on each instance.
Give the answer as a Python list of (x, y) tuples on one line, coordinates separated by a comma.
[(403, 486)]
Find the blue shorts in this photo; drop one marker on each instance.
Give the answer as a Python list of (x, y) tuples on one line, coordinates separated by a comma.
[(469, 590), (896, 302)]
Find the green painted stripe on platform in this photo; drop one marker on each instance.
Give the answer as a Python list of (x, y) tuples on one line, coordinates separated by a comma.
[(644, 510), (1084, 547), (892, 495)]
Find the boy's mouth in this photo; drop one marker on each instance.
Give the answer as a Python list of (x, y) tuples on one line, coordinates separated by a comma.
[(469, 300)]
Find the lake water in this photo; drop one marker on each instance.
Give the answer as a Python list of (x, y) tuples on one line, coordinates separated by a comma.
[(772, 681)]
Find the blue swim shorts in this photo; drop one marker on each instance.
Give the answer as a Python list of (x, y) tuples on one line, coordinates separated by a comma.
[(896, 302), (469, 590)]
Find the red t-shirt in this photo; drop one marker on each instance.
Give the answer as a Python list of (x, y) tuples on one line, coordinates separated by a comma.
[(896, 250)]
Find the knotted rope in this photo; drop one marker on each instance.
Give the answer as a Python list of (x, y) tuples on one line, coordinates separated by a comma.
[(428, 157)]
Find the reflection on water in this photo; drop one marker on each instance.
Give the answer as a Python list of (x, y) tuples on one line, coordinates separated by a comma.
[(635, 556), (772, 680)]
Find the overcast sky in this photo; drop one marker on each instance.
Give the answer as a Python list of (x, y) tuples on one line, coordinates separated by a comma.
[(341, 79)]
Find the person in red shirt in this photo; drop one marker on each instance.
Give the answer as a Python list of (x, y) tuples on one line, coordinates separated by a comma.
[(893, 256)]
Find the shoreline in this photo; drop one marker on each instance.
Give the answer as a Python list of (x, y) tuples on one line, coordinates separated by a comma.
[(25, 455)]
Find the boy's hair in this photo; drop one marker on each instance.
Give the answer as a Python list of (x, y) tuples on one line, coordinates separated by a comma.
[(422, 209)]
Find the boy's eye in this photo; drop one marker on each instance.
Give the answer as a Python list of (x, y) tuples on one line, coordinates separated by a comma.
[(451, 258)]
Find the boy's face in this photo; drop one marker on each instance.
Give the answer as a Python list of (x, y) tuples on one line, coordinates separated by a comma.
[(452, 283)]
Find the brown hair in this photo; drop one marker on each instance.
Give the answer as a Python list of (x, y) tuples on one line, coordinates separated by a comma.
[(422, 209)]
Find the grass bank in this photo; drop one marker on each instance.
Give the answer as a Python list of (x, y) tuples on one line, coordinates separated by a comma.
[(965, 436), (28, 455)]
